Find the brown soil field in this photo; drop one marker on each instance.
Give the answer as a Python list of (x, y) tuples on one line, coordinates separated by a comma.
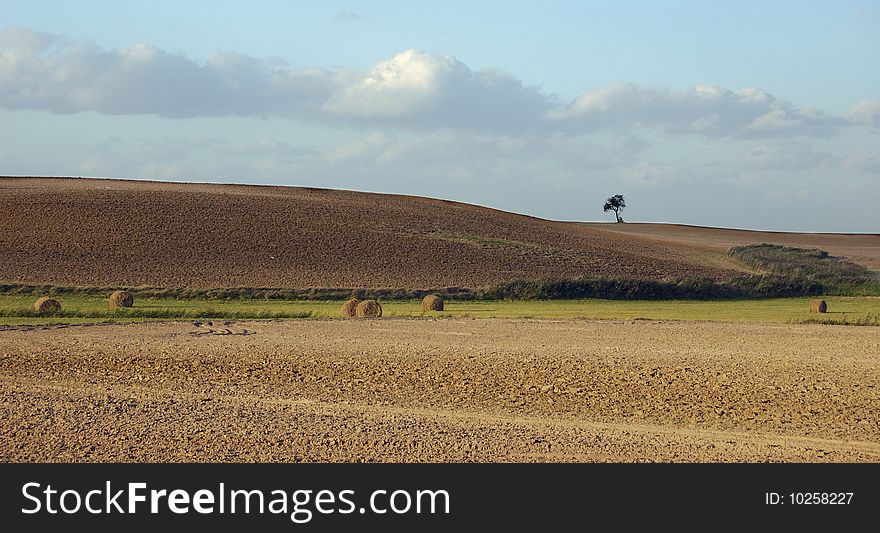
[(75, 232), (857, 247), (440, 390)]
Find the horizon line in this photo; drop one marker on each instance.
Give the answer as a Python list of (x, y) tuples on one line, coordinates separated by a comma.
[(166, 180)]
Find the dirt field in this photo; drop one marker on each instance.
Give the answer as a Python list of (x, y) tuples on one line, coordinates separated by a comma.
[(130, 233), (441, 390), (859, 248)]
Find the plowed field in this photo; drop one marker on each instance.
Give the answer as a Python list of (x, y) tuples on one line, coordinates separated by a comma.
[(441, 390), (860, 248), (130, 233)]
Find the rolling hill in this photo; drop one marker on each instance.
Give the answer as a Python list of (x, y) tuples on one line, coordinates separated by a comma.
[(95, 232), (860, 248)]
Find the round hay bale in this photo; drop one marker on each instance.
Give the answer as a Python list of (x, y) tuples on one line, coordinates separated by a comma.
[(46, 306), (432, 302), (349, 307), (818, 306), (121, 299), (368, 309)]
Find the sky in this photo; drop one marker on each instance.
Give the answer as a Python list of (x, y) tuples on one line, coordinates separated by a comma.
[(761, 115)]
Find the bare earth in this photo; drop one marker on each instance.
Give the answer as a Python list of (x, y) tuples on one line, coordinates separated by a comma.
[(441, 390), (862, 248), (138, 233), (74, 232)]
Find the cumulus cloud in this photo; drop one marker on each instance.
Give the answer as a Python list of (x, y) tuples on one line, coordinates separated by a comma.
[(39, 71), (413, 89), (434, 90), (865, 112), (704, 109)]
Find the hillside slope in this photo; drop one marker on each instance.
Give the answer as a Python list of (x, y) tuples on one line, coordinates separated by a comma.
[(860, 248), (136, 233)]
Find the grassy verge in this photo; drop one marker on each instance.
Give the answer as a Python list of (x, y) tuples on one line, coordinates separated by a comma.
[(15, 310), (796, 268), (781, 272), (751, 286)]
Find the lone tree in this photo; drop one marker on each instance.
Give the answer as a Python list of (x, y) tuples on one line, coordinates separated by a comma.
[(617, 204)]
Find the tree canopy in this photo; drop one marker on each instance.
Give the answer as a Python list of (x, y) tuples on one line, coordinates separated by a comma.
[(617, 204)]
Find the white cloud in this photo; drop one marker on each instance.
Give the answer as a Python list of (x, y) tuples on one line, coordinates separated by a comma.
[(63, 76), (413, 89), (410, 82), (865, 112), (418, 88), (704, 109)]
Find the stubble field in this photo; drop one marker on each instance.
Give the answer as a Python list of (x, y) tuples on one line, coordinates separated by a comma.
[(440, 390)]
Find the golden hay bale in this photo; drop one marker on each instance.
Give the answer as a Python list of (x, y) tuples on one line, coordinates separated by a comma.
[(349, 307), (432, 302), (368, 309), (818, 306), (121, 299), (46, 306)]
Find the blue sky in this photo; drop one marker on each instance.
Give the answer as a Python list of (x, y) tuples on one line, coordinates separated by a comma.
[(746, 114)]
